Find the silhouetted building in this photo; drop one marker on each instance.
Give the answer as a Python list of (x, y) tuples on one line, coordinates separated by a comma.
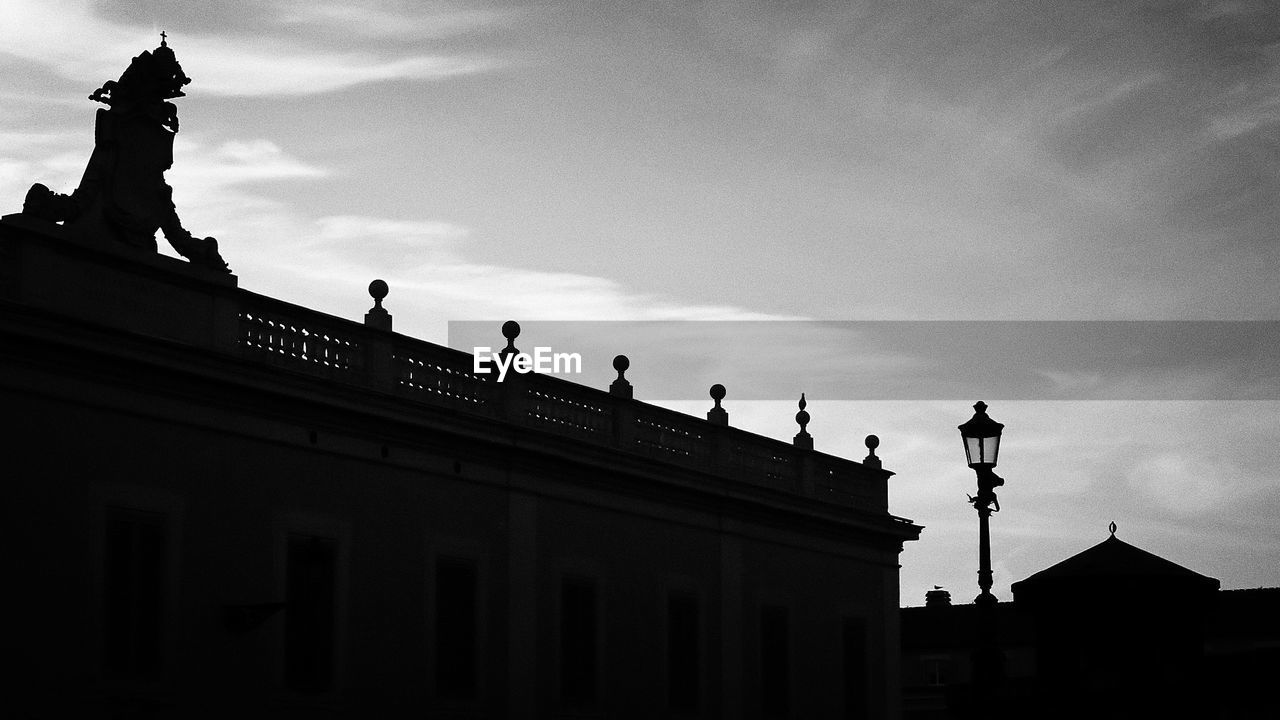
[(1112, 632), (1242, 652), (938, 643), (1119, 633), (221, 504)]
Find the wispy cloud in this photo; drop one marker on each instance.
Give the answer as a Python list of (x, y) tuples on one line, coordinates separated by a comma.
[(218, 191), (375, 20), (1181, 482), (205, 168), (255, 67), (76, 42), (37, 142), (394, 234), (39, 156), (1113, 159)]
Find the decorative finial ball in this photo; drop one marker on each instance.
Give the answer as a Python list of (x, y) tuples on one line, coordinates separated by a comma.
[(378, 289), (980, 406), (621, 363), (717, 392), (802, 417), (511, 329), (872, 442)]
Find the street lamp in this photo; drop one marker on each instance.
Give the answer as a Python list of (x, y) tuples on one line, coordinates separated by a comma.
[(981, 437)]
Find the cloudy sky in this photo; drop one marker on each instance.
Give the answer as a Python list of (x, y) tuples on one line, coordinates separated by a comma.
[(856, 162)]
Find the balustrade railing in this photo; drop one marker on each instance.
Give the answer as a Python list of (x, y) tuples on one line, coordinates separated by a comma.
[(437, 377), (670, 435), (567, 408), (295, 340), (762, 465), (264, 330), (304, 340), (832, 484)]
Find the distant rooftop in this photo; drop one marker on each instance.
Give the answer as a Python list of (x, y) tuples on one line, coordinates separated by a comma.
[(1110, 564)]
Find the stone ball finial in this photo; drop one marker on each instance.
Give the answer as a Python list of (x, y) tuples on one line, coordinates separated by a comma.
[(621, 387), (872, 442), (717, 393), (717, 414), (378, 317), (510, 331)]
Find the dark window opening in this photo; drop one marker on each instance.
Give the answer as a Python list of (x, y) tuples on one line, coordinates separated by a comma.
[(456, 629), (683, 662), (856, 668), (309, 617), (775, 661), (578, 642), (135, 552), (935, 671)]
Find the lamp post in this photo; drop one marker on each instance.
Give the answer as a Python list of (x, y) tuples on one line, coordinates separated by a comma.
[(981, 437)]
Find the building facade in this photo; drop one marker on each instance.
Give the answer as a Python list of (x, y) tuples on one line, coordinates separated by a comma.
[(222, 503)]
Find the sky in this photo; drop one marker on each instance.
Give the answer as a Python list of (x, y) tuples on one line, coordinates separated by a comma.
[(1093, 183)]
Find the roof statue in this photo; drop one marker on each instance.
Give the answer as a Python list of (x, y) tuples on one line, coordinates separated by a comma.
[(123, 194)]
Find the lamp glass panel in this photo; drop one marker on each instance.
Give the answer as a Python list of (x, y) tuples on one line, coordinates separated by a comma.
[(972, 450), (991, 446)]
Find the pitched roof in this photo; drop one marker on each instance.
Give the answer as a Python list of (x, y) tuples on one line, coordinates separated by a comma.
[(1113, 560)]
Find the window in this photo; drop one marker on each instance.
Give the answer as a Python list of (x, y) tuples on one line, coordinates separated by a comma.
[(775, 661), (683, 661), (309, 612), (135, 578), (854, 639), (935, 670), (578, 648), (456, 651)]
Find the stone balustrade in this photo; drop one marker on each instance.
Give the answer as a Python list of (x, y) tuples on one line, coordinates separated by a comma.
[(191, 306)]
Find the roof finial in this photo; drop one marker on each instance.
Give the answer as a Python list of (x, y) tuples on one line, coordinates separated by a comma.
[(1112, 528), (803, 439), (872, 442), (621, 387), (378, 316), (162, 38), (717, 414), (510, 331)]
